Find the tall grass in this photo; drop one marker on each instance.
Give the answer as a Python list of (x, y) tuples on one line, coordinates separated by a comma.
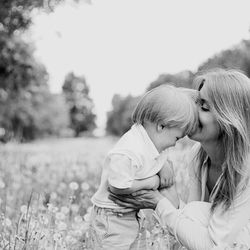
[(45, 191)]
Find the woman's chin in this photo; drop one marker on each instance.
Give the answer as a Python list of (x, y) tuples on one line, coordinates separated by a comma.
[(196, 135)]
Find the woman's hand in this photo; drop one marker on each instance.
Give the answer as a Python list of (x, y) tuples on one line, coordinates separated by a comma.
[(138, 200)]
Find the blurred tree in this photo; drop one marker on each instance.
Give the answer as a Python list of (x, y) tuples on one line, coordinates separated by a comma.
[(181, 79), (81, 106), (27, 107), (15, 15), (24, 94), (119, 118), (237, 57)]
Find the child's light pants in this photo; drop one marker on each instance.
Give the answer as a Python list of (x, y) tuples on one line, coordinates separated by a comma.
[(110, 230)]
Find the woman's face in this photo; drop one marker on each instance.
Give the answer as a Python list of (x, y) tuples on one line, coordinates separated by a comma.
[(208, 128)]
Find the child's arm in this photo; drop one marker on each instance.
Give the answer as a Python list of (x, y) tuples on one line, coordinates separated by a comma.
[(148, 183), (166, 175)]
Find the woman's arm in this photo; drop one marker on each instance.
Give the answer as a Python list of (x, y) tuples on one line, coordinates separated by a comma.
[(138, 200), (193, 234), (147, 183), (189, 225)]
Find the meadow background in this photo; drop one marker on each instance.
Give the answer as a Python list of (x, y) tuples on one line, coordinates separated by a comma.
[(71, 73), (45, 189)]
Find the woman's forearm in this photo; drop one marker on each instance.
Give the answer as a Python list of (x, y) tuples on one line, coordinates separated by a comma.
[(190, 231)]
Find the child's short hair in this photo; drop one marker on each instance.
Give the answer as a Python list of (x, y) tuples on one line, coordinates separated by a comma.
[(169, 105)]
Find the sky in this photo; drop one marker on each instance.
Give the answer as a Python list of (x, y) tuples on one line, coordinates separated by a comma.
[(121, 46)]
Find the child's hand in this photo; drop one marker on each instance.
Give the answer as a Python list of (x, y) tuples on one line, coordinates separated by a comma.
[(155, 180), (166, 175)]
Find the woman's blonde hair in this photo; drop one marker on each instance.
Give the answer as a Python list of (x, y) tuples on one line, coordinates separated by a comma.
[(169, 105), (229, 94)]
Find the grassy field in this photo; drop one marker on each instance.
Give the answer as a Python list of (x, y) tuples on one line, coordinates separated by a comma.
[(45, 190)]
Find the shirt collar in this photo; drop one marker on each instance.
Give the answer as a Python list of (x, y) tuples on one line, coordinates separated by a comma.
[(147, 142)]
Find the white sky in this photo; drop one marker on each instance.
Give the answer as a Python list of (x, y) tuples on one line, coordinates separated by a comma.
[(121, 46)]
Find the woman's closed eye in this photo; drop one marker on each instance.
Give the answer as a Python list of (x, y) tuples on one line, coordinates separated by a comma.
[(205, 107), (202, 104)]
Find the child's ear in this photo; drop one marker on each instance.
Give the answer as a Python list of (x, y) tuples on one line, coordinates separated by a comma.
[(160, 127)]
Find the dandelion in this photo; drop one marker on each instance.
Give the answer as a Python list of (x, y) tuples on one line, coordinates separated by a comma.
[(85, 186), (78, 219), (65, 210), (77, 233), (86, 217), (84, 227), (72, 198), (52, 208), (74, 208), (43, 219), (70, 240), (57, 237), (61, 226), (7, 222), (2, 184), (53, 195), (89, 210), (62, 186), (60, 216), (73, 185), (24, 209)]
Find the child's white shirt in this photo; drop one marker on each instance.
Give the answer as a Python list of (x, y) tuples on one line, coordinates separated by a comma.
[(134, 157)]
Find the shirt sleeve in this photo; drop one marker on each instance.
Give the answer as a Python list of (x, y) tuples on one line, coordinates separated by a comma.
[(121, 171), (224, 226), (213, 229), (186, 227)]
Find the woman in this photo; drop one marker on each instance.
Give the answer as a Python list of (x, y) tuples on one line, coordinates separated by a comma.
[(218, 208)]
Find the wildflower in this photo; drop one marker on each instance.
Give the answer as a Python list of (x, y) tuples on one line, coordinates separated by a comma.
[(73, 185), (2, 184), (84, 227), (77, 233), (62, 186), (85, 186), (72, 198), (74, 208), (43, 220), (65, 210), (24, 209), (89, 210), (70, 240), (78, 219), (60, 216), (53, 195), (52, 208), (7, 222), (62, 226), (86, 217), (57, 237)]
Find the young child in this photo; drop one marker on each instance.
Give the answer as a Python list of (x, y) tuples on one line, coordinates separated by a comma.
[(163, 116)]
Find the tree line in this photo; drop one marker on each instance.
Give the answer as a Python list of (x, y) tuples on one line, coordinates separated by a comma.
[(28, 109), (237, 57)]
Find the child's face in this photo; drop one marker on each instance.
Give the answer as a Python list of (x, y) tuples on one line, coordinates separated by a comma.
[(167, 137)]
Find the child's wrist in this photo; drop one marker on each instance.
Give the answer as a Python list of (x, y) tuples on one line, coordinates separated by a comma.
[(157, 181)]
